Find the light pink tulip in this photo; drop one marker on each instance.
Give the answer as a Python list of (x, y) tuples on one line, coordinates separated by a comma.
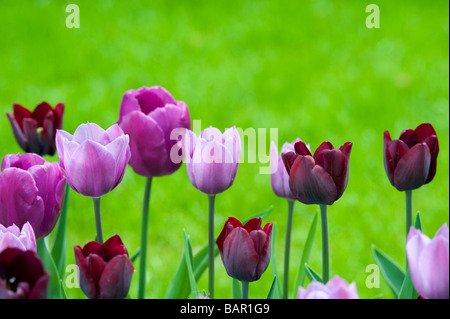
[(12, 237), (336, 288)]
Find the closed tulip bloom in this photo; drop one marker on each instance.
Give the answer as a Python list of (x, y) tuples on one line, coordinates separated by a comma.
[(35, 130), (13, 237), (410, 161), (336, 288), (212, 159), (245, 250), (148, 115), (31, 190), (93, 160), (105, 269), (22, 275), (320, 178), (428, 262)]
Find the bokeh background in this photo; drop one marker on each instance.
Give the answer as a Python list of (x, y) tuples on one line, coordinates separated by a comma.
[(311, 69)]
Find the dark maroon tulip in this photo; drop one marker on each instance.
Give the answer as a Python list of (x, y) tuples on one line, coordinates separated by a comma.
[(245, 250), (105, 269), (321, 178), (410, 161), (22, 275), (35, 131)]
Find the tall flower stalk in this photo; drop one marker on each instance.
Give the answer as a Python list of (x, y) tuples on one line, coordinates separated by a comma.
[(144, 238)]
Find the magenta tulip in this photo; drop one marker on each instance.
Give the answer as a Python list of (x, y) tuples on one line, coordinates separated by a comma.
[(22, 275), (212, 159), (13, 237), (321, 178), (245, 250), (410, 161), (31, 190), (336, 288), (105, 269), (35, 131), (149, 115), (93, 160), (428, 261)]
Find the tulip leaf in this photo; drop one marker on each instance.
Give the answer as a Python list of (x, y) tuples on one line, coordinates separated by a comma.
[(236, 289), (189, 263), (55, 287), (418, 222), (407, 290), (135, 255), (312, 274), (60, 239), (277, 293), (391, 271), (301, 272), (262, 214), (272, 289)]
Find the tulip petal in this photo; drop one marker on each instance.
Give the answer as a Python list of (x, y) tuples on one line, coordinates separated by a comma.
[(115, 280), (87, 283), (30, 127), (17, 131), (288, 160), (152, 98), (90, 131), (412, 169), (301, 148), (393, 151), (322, 147), (414, 246), (22, 161), (120, 150), (230, 224), (433, 145)]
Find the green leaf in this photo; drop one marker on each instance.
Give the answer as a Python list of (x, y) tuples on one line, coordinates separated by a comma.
[(277, 294), (189, 263), (391, 271), (55, 287), (418, 222), (236, 289), (272, 289), (312, 274), (135, 255), (301, 272), (407, 290), (262, 214)]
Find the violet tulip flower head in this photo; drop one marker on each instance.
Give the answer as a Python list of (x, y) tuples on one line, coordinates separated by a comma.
[(410, 161), (31, 190), (428, 262), (13, 237), (35, 130), (149, 115), (105, 269), (93, 160), (22, 275), (336, 288), (279, 178), (245, 249), (320, 178)]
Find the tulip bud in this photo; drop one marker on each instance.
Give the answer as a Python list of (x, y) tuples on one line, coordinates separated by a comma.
[(245, 250), (336, 288), (12, 237)]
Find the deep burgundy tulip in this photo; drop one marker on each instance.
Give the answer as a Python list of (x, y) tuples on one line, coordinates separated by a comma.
[(22, 275), (105, 269), (31, 190), (148, 115), (245, 250), (35, 131), (410, 161), (320, 178)]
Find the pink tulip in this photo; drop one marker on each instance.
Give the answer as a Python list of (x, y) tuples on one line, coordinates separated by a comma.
[(336, 288), (12, 237)]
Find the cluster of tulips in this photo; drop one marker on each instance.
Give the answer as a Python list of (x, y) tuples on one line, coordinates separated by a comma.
[(153, 135)]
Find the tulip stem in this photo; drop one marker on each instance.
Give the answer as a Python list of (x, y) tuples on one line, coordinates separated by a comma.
[(245, 289), (98, 220), (325, 252), (144, 238), (287, 248), (211, 202), (409, 216)]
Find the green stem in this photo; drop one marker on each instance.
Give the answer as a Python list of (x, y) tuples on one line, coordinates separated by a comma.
[(325, 252), (409, 216), (98, 220), (144, 238), (287, 248), (211, 202), (244, 289)]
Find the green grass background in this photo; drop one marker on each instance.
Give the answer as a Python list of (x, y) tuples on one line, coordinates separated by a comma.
[(312, 69)]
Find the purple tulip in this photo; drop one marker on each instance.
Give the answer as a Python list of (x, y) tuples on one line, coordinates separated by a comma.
[(93, 160), (12, 237), (320, 178), (428, 262), (35, 131), (336, 288), (31, 190), (410, 161), (22, 275), (212, 159), (105, 269), (245, 250), (149, 115)]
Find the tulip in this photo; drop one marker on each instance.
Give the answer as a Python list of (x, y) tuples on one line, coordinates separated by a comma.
[(12, 237), (148, 115), (35, 131), (22, 275), (336, 288), (245, 250), (428, 262), (31, 190), (105, 269)]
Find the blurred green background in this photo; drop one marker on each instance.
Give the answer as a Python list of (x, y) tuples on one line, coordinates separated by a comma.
[(312, 69)]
